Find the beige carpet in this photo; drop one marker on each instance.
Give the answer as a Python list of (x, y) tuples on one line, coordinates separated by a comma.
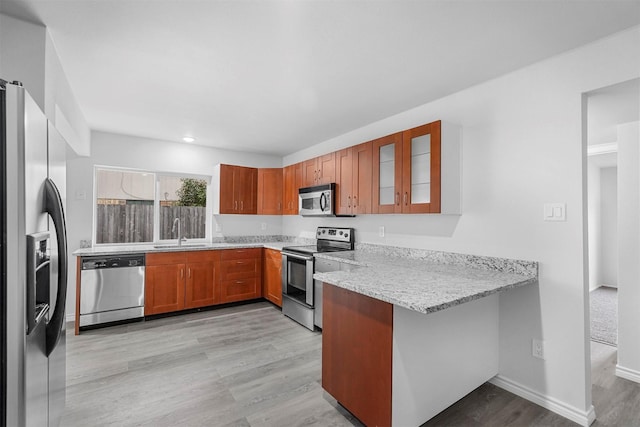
[(604, 315)]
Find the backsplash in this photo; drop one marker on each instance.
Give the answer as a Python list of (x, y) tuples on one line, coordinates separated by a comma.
[(527, 268), (261, 239)]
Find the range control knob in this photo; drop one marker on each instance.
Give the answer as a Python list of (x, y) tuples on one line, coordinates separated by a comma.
[(340, 233), (346, 235)]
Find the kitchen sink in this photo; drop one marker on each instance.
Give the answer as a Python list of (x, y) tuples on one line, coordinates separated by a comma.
[(184, 245)]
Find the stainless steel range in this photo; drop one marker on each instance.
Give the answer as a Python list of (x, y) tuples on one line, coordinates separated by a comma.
[(301, 298)]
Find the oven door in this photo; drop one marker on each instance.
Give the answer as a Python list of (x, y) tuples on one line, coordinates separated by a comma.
[(297, 277)]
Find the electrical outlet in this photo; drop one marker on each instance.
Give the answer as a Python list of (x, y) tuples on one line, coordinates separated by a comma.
[(263, 226), (381, 231), (537, 348)]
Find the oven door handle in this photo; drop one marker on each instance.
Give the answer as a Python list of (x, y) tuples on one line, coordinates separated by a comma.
[(297, 256)]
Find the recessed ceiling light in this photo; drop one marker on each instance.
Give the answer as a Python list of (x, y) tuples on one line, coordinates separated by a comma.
[(188, 139)]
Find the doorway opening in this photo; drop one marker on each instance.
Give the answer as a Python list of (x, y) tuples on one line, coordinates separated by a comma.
[(608, 109)]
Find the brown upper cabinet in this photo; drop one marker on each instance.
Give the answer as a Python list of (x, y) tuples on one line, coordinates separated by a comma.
[(319, 170), (270, 191), (292, 177), (353, 179), (415, 172), (237, 188)]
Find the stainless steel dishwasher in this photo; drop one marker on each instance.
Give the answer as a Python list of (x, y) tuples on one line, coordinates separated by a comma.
[(111, 289)]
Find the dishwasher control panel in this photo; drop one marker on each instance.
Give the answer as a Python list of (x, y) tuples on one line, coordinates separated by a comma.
[(117, 261)]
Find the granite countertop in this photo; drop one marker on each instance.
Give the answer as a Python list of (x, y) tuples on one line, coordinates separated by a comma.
[(428, 283), (136, 249)]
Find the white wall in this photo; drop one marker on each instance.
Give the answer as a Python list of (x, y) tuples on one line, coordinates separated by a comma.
[(603, 225), (609, 226), (629, 251), (27, 54), (61, 106), (595, 223), (22, 55), (152, 155), (523, 146)]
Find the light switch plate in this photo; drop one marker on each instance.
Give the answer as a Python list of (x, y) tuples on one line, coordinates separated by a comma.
[(555, 211)]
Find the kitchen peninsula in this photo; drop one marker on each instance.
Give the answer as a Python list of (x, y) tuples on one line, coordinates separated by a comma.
[(407, 333)]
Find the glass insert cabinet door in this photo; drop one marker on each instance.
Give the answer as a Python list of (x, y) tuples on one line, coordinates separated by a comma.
[(407, 171)]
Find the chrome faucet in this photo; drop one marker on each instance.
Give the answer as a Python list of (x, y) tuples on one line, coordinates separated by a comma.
[(176, 221)]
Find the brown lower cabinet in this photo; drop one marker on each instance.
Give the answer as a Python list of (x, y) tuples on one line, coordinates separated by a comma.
[(272, 278), (357, 336), (240, 275), (177, 281)]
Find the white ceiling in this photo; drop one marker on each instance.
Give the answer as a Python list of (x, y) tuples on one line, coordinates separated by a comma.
[(279, 76)]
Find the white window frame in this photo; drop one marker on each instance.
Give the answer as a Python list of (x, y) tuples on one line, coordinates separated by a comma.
[(156, 206)]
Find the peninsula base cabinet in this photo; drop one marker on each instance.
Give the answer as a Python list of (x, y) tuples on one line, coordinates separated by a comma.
[(391, 366)]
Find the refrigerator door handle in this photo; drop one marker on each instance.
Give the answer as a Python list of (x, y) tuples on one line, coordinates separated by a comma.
[(53, 206)]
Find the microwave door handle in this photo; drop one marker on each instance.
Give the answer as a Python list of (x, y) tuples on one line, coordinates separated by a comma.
[(323, 202)]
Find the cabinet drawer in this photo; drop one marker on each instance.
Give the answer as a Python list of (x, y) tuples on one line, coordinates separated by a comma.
[(162, 258), (203, 256), (239, 269), (228, 254), (239, 289)]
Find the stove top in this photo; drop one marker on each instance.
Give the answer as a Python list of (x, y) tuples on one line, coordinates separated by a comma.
[(329, 239), (313, 249)]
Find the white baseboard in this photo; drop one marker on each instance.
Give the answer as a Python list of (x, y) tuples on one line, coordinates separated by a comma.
[(584, 418), (71, 317), (627, 374)]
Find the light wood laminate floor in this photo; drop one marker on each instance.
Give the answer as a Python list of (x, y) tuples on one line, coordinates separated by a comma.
[(251, 366)]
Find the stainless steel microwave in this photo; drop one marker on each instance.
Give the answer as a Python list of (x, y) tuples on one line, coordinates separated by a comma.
[(317, 201)]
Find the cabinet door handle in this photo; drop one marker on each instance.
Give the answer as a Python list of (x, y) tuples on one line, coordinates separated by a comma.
[(235, 205), (241, 205), (354, 201), (189, 272), (319, 174), (239, 282), (398, 198), (349, 205), (279, 206), (182, 273), (406, 198), (239, 262)]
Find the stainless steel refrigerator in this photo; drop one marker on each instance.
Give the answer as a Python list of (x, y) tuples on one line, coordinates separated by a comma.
[(33, 265)]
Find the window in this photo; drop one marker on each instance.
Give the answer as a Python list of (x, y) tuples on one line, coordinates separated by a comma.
[(184, 198), (141, 207)]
